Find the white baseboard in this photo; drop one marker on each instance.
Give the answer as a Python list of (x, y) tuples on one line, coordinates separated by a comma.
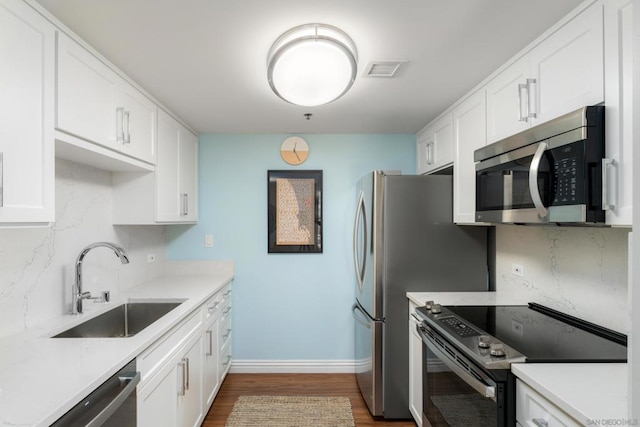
[(292, 366)]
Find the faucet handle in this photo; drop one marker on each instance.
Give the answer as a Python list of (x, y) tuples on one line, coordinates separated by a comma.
[(106, 296)]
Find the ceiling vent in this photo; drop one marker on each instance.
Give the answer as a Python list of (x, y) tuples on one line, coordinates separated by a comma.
[(383, 68)]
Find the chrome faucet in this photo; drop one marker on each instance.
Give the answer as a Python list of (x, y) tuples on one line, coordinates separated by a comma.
[(77, 294)]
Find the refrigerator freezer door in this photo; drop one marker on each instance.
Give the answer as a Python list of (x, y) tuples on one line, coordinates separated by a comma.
[(368, 361), (367, 243)]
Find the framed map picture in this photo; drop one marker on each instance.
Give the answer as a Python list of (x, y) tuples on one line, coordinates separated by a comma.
[(295, 211)]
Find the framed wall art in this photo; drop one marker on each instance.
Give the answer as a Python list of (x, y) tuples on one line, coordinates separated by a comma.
[(295, 211)]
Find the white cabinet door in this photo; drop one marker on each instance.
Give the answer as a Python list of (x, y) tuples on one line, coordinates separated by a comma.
[(190, 413), (618, 37), (87, 95), (469, 130), (156, 401), (27, 55), (569, 67), (435, 146), (98, 105), (211, 377), (139, 124), (176, 172), (189, 175), (504, 106), (561, 74), (415, 369), (168, 204)]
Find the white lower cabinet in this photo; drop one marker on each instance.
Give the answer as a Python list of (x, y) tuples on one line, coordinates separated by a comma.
[(533, 409), (415, 368), (183, 370)]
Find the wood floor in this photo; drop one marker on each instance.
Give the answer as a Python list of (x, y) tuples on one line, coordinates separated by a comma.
[(236, 385)]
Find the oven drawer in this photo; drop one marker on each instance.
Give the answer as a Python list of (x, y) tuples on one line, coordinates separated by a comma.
[(534, 410)]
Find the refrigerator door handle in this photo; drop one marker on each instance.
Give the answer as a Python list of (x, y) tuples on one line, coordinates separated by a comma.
[(360, 266), (362, 318)]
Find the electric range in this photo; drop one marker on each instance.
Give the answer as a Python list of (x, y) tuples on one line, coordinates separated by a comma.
[(468, 351)]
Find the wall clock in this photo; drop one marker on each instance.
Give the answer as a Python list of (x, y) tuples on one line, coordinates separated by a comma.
[(294, 150)]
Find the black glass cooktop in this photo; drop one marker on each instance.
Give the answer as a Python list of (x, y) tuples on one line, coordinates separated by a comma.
[(545, 335)]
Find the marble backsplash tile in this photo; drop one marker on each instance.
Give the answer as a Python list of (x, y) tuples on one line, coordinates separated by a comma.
[(580, 271), (37, 264)]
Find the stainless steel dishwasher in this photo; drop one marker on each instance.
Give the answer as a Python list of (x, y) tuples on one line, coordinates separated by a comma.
[(111, 404)]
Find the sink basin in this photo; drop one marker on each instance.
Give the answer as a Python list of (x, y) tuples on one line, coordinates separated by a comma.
[(125, 320)]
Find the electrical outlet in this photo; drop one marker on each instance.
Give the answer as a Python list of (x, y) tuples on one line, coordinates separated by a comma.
[(517, 270), (151, 258), (517, 327), (208, 240)]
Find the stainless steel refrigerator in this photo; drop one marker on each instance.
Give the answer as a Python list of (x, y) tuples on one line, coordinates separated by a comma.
[(405, 241)]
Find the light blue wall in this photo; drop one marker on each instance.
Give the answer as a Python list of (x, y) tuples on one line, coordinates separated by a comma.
[(285, 306)]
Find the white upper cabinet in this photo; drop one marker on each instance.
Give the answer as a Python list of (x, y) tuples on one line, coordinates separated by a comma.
[(435, 146), (97, 105), (562, 73), (170, 193), (469, 134), (27, 73), (618, 38)]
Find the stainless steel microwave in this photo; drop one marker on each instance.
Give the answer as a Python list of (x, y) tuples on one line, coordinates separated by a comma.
[(550, 173)]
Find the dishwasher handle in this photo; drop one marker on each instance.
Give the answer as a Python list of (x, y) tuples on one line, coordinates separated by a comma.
[(112, 407)]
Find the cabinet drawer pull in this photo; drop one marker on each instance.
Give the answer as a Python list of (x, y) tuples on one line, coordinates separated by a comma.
[(227, 310), (227, 293), (225, 336), (227, 362), (210, 352), (540, 422), (213, 307)]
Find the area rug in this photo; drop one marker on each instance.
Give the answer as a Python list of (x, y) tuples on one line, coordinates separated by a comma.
[(291, 411)]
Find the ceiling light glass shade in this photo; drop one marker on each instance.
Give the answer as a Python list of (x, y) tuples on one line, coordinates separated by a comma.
[(312, 64)]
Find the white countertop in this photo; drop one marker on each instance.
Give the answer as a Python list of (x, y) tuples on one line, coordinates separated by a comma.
[(585, 391), (42, 378), (588, 392)]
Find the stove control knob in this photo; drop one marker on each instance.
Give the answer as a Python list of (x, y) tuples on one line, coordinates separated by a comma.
[(428, 305), (435, 309), (484, 341), (497, 350)]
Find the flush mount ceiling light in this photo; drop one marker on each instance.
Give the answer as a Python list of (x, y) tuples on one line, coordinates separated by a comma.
[(312, 64)]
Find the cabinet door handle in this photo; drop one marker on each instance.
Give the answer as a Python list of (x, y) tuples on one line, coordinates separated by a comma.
[(227, 293), (607, 205), (186, 359), (126, 121), (523, 102), (184, 200), (119, 125), (183, 386), (1, 183), (531, 99), (210, 333), (430, 153)]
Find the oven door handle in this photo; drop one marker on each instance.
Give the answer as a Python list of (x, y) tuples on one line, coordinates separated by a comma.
[(478, 385), (533, 180)]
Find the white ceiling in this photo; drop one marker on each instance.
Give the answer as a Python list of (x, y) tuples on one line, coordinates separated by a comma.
[(206, 59)]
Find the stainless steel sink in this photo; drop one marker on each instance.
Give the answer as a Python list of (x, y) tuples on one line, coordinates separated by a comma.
[(125, 320)]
